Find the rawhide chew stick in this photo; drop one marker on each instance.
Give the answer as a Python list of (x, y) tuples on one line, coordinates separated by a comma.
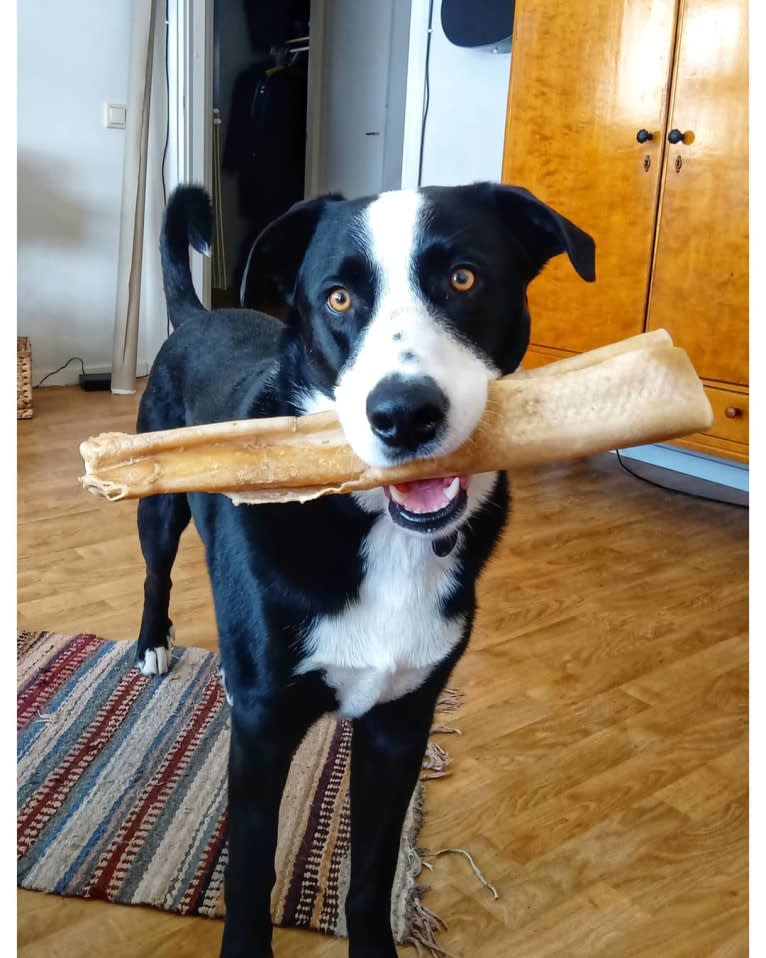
[(640, 390)]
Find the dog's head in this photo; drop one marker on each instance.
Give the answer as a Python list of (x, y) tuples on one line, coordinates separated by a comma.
[(408, 303)]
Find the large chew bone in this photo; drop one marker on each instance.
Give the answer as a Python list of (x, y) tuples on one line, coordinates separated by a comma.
[(639, 390)]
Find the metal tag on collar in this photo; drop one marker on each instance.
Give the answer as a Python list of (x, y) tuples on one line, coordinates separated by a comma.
[(443, 547)]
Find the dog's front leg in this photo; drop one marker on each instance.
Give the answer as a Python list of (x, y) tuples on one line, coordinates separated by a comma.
[(264, 736), (386, 757)]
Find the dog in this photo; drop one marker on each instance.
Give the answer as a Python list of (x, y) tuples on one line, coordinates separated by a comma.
[(400, 309)]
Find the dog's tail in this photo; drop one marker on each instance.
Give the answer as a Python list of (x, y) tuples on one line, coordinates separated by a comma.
[(188, 220)]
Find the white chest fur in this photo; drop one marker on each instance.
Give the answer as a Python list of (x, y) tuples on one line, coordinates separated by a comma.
[(387, 641)]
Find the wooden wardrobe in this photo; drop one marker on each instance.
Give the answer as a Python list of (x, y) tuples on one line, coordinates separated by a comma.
[(630, 117)]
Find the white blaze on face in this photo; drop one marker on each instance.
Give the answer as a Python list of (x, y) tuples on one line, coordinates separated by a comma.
[(403, 338)]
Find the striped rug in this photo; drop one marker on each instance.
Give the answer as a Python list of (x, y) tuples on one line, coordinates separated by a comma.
[(122, 791)]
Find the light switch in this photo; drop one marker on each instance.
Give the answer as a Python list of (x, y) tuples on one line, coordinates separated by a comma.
[(115, 115)]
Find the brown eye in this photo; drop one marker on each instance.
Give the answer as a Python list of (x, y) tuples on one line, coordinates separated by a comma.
[(462, 279), (339, 300)]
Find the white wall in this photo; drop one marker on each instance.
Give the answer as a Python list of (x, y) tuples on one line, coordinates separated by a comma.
[(465, 125), (396, 95), (72, 58)]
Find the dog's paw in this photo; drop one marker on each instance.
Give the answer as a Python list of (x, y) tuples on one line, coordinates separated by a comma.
[(156, 661)]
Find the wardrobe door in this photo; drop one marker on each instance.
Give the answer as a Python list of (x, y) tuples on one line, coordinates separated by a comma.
[(699, 289), (589, 85)]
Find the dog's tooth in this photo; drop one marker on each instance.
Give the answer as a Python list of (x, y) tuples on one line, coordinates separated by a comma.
[(396, 495), (452, 489)]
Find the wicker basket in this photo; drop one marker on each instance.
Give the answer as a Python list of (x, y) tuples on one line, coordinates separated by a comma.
[(23, 378)]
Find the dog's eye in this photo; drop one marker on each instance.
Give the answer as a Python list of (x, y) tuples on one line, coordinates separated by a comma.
[(339, 300), (462, 279)]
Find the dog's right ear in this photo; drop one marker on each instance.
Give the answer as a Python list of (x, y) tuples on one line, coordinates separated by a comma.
[(278, 251)]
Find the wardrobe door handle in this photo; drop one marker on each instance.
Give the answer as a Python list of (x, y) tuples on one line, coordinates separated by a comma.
[(643, 135), (675, 136)]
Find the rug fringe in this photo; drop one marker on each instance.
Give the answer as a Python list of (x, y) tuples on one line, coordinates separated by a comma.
[(445, 730), (425, 925), (424, 853), (435, 762), (449, 700)]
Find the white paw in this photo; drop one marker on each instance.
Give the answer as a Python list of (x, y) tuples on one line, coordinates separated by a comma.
[(155, 662)]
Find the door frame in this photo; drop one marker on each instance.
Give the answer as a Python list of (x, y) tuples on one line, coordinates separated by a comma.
[(421, 20), (190, 109), (312, 178)]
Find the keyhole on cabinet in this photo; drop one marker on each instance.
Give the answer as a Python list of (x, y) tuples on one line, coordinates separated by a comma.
[(678, 164), (647, 163)]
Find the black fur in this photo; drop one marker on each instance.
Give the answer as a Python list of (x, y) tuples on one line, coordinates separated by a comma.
[(275, 569), (188, 220)]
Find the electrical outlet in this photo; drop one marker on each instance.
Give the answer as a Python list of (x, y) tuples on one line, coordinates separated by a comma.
[(115, 115)]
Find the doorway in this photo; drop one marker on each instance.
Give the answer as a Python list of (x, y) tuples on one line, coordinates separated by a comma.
[(258, 136), (278, 100)]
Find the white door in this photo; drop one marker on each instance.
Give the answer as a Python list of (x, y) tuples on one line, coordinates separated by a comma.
[(357, 91)]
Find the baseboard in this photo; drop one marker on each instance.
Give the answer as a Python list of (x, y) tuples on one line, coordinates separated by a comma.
[(71, 375), (710, 468)]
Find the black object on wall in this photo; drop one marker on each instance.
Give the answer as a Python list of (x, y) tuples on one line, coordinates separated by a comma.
[(479, 23)]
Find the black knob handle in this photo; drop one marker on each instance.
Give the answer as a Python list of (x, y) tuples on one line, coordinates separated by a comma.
[(643, 135), (675, 136)]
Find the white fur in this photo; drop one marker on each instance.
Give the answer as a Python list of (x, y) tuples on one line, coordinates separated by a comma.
[(314, 401), (157, 661), (222, 677), (392, 223), (154, 663), (386, 642)]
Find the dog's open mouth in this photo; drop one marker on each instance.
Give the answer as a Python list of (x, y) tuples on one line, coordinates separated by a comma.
[(427, 505)]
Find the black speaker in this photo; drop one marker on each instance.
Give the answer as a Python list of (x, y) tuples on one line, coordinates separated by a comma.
[(479, 23)]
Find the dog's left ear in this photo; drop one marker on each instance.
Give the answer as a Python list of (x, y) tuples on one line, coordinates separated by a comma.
[(541, 232), (278, 251)]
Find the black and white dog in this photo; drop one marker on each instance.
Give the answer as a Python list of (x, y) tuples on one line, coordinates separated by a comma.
[(402, 308)]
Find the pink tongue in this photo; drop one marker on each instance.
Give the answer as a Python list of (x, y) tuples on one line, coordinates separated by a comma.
[(424, 495)]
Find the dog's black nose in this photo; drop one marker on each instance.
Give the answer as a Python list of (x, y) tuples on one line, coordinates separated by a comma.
[(406, 413)]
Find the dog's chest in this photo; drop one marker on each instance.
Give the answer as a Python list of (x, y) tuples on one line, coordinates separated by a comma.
[(388, 640)]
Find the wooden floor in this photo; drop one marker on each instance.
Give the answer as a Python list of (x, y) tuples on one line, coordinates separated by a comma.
[(601, 778)]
